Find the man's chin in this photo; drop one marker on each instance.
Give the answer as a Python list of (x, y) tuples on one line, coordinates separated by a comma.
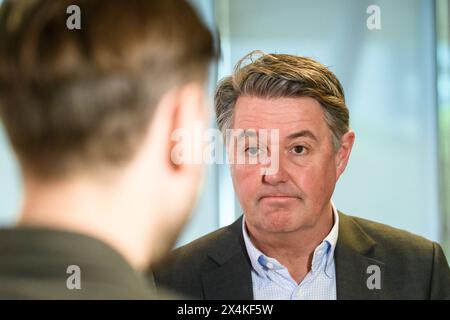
[(279, 222)]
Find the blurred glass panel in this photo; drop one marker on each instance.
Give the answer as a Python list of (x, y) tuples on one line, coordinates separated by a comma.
[(443, 71), (205, 217), (10, 188)]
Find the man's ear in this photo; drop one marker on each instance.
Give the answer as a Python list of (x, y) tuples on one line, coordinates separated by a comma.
[(189, 116), (343, 153)]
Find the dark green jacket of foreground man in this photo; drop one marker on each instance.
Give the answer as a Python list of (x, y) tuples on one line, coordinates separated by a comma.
[(52, 264), (217, 266)]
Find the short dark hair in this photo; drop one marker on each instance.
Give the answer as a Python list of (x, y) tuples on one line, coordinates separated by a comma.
[(85, 97)]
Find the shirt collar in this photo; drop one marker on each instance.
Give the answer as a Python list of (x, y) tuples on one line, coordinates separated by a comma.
[(331, 239), (254, 253), (261, 263)]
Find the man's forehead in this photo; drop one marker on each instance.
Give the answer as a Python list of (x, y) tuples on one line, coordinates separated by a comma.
[(285, 114)]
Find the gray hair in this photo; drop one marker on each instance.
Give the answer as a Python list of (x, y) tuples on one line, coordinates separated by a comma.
[(283, 75)]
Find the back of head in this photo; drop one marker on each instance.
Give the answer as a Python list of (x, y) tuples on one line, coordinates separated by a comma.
[(83, 98), (104, 95)]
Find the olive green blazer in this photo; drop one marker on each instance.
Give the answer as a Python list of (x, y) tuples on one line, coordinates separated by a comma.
[(34, 264)]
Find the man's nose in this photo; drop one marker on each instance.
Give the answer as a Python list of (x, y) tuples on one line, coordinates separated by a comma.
[(274, 177)]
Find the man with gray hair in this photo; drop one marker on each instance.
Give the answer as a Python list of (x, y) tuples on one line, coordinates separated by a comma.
[(291, 242)]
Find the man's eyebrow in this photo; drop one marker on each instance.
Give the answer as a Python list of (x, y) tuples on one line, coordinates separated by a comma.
[(302, 133), (247, 133)]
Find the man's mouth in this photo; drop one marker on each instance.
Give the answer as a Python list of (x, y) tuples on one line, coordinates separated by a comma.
[(278, 197)]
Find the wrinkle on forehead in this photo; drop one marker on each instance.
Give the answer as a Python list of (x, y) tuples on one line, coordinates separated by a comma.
[(274, 124), (285, 114)]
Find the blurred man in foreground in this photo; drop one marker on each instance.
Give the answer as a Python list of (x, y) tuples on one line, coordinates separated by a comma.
[(90, 113), (291, 242)]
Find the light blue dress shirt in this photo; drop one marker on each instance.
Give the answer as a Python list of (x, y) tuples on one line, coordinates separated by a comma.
[(272, 281)]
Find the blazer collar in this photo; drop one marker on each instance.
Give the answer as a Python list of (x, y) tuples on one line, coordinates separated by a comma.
[(353, 256), (232, 277)]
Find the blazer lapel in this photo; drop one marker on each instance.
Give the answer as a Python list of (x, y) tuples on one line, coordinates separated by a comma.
[(354, 264), (231, 280)]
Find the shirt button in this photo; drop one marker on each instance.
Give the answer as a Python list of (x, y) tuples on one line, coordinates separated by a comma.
[(269, 265)]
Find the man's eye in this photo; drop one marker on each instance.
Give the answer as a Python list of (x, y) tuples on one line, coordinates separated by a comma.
[(252, 151), (298, 150)]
